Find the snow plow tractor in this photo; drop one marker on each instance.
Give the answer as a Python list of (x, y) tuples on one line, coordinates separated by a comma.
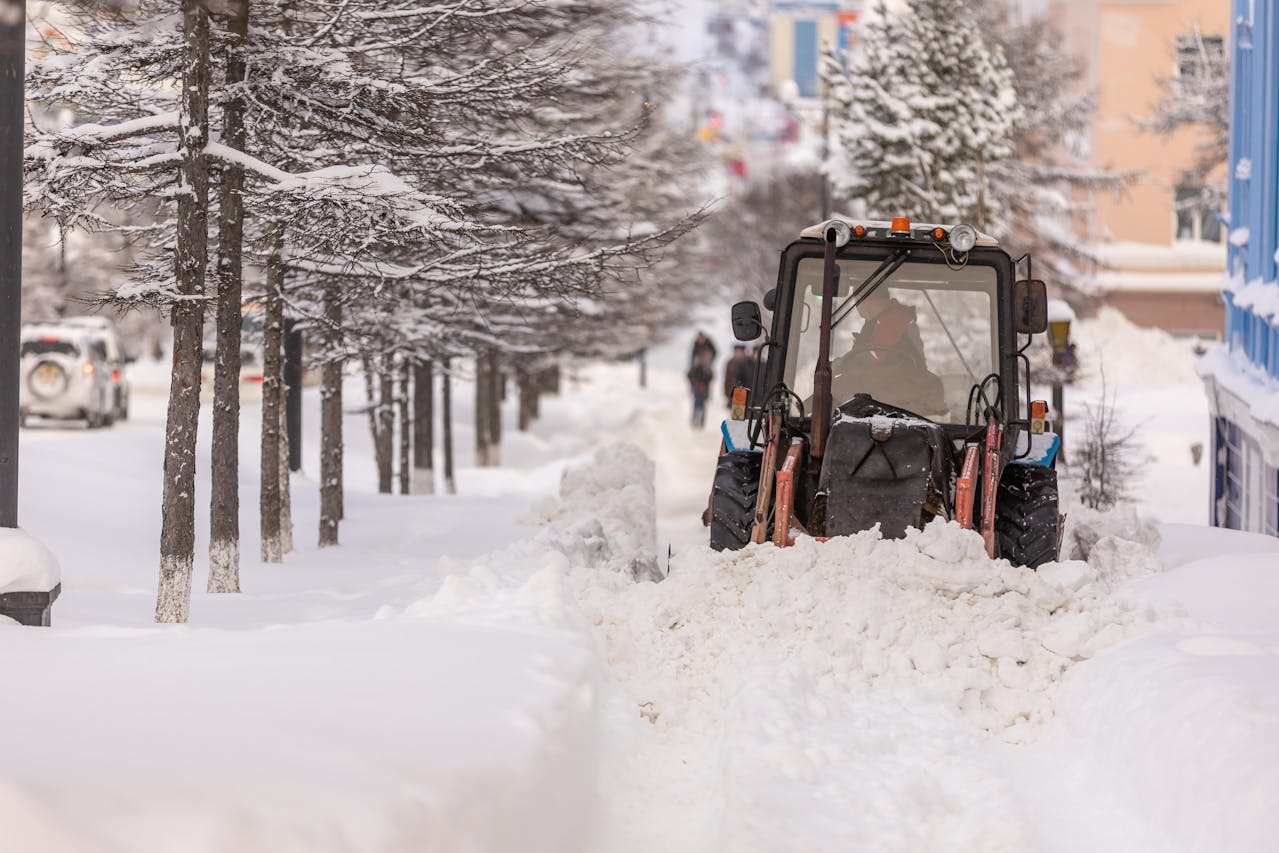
[(892, 389)]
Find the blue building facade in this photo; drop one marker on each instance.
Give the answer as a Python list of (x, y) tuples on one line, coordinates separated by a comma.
[(1242, 376)]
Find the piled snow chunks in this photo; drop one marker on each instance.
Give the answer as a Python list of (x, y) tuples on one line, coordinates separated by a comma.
[(1087, 528), (606, 513), (859, 613)]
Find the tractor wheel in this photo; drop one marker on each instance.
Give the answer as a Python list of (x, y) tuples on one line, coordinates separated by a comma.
[(1026, 519), (733, 500)]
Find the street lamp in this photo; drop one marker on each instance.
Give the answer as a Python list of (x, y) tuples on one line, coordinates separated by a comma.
[(28, 572), (1060, 316)]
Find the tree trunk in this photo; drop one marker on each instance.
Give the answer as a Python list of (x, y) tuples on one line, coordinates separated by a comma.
[(643, 368), (446, 418), (424, 429), (269, 502), (224, 510), (177, 527), (385, 426), (286, 491), (331, 425), (406, 427), (550, 379), (481, 412), (528, 399), (494, 417)]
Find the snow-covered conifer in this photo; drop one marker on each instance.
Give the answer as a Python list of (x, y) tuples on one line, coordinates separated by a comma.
[(925, 111)]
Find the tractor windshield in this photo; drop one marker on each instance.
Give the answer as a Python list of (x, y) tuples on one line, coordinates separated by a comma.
[(920, 340)]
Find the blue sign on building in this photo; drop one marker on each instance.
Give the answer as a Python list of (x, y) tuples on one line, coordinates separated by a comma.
[(1242, 376)]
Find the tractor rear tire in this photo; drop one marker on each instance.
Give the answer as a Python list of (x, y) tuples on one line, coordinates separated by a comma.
[(1027, 523), (733, 500)]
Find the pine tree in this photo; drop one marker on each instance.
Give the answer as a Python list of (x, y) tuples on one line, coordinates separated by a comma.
[(925, 111)]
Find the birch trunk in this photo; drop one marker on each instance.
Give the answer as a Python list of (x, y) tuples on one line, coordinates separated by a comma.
[(286, 491), (446, 418), (177, 527), (224, 510), (385, 430), (424, 429), (406, 427), (331, 425), (269, 502)]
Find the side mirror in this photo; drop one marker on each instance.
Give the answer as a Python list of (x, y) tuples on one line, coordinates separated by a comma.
[(747, 325), (1030, 306), (770, 300)]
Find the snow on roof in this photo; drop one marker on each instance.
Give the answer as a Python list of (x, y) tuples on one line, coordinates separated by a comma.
[(1257, 394), (1180, 255), (815, 230), (1159, 282), (1059, 312)]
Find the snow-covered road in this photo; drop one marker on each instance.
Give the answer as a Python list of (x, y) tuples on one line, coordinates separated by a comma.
[(481, 673)]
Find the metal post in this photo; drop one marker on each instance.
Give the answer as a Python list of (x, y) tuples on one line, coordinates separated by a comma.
[(1060, 419), (293, 392), (13, 19)]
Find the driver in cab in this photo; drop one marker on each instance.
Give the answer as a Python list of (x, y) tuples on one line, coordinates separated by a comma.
[(886, 359)]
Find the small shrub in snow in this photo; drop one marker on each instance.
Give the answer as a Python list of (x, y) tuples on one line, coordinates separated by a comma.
[(1107, 459)]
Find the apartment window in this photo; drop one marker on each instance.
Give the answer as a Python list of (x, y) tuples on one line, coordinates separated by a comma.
[(1197, 54), (1195, 220)]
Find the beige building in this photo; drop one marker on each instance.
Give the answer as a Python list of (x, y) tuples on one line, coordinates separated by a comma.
[(1160, 266)]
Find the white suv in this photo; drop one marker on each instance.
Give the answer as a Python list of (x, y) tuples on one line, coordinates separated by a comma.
[(102, 329), (65, 374)]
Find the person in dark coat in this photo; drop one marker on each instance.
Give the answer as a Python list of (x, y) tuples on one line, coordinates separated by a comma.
[(887, 359), (703, 348), (739, 370), (699, 382)]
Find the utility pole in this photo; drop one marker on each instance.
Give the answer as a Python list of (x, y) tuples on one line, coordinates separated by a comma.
[(13, 19)]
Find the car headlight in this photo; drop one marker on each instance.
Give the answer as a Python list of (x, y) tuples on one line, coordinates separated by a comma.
[(963, 238)]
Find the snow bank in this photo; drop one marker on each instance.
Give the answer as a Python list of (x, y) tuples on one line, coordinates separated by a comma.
[(1129, 354), (1086, 528), (769, 688), (861, 613), (25, 564), (610, 507)]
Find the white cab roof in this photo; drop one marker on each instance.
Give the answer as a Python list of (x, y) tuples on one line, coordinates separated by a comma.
[(816, 229)]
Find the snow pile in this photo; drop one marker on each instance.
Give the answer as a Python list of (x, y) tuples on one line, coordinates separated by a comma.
[(862, 612), (25, 564), (1128, 354), (856, 613), (1087, 528), (606, 514)]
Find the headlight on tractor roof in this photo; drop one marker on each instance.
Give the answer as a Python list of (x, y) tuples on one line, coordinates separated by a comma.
[(963, 238)]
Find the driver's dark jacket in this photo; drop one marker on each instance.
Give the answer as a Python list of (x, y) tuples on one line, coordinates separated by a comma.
[(887, 361)]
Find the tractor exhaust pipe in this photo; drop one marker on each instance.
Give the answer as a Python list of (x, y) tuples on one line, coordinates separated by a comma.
[(836, 234)]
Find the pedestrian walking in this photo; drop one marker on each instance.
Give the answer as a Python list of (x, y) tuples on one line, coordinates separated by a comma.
[(699, 382), (703, 349), (739, 371)]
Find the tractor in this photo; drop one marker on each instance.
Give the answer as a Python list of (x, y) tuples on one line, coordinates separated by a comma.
[(892, 388)]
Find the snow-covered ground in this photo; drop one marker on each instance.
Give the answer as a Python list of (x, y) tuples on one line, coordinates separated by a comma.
[(482, 672)]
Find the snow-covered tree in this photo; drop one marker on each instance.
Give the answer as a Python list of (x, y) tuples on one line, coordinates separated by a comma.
[(1198, 97), (1047, 188), (926, 109)]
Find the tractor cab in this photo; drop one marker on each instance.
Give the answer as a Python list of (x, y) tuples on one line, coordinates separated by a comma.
[(894, 357)]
